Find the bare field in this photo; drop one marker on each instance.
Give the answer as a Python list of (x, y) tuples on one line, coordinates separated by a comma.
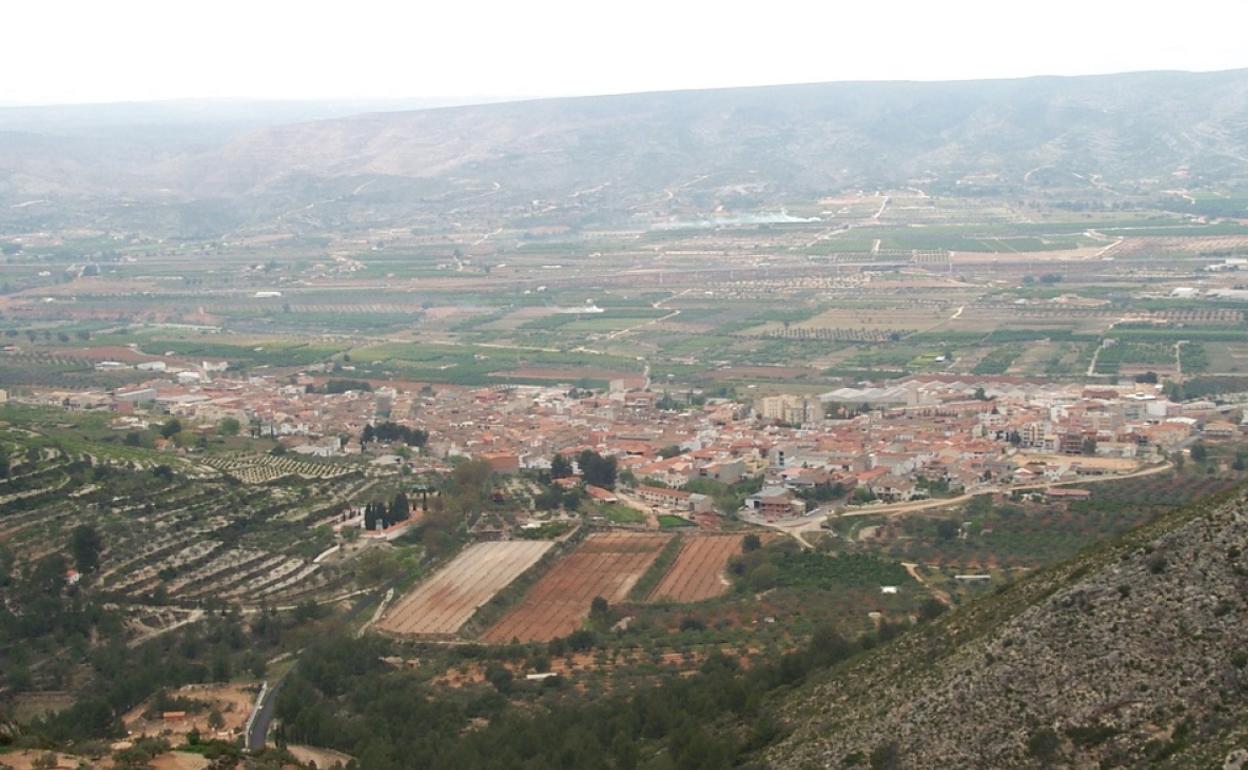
[(26, 759), (180, 760), (570, 374), (1056, 255), (321, 757), (1034, 358), (517, 318), (1144, 246), (698, 572), (882, 318), (990, 318), (233, 701), (606, 565), (1106, 464), (1227, 357), (444, 603)]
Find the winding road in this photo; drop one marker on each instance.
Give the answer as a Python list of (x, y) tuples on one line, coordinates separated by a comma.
[(814, 522)]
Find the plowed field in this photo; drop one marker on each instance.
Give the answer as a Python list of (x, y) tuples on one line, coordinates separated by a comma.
[(605, 565), (698, 572), (444, 602)]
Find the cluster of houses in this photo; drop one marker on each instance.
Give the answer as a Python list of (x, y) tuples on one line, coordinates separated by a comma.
[(892, 443)]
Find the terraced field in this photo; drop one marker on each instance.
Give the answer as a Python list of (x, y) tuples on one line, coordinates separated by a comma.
[(606, 565), (443, 603)]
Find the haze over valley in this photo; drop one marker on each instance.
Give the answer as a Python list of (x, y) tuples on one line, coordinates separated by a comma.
[(865, 424)]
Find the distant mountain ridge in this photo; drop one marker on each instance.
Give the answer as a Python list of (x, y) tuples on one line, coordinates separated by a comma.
[(1140, 131), (801, 137)]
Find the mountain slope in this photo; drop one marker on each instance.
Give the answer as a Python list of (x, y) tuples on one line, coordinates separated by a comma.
[(769, 143), (1134, 655), (797, 139)]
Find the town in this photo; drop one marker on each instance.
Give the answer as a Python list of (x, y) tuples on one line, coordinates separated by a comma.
[(822, 455), (849, 425)]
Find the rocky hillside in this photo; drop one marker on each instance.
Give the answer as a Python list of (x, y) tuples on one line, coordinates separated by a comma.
[(1135, 655)]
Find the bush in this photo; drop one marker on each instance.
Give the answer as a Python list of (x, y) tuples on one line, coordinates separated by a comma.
[(886, 756), (931, 609), (1044, 744), (1087, 736)]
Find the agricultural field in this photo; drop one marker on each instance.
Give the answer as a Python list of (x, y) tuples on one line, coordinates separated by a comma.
[(606, 565), (443, 603), (477, 365), (698, 572), (1227, 358), (990, 534), (1168, 490), (839, 323), (262, 469), (176, 534), (1132, 356)]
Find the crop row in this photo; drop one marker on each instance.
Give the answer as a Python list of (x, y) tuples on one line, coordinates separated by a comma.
[(837, 335), (261, 469)]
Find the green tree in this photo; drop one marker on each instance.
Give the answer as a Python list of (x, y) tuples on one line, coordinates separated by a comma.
[(931, 609), (947, 529), (1044, 745), (1199, 452), (468, 486), (400, 509), (171, 427), (85, 543), (229, 426), (560, 467), (596, 469), (500, 677), (886, 756), (598, 608), (48, 576)]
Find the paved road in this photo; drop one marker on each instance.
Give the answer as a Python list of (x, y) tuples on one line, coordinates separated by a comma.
[(814, 521), (259, 731)]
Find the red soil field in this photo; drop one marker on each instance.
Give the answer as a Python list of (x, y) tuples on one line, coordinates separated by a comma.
[(698, 572), (443, 603), (606, 565)]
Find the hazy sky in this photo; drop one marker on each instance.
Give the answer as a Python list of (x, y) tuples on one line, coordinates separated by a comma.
[(58, 51)]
